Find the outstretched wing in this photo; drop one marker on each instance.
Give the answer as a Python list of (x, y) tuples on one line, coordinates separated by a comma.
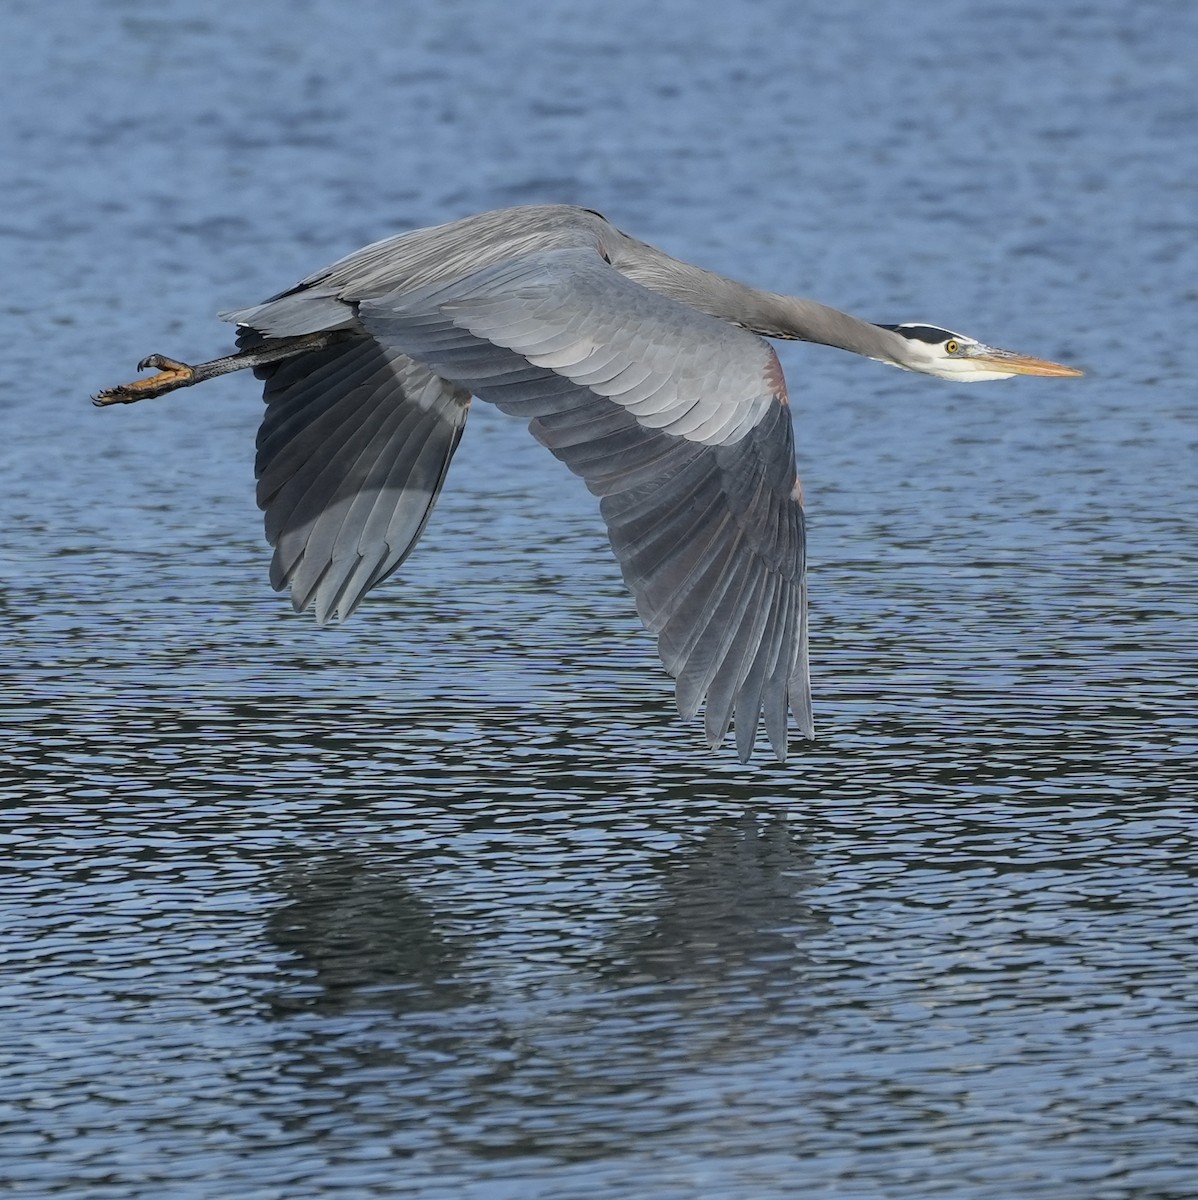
[(352, 453), (678, 421)]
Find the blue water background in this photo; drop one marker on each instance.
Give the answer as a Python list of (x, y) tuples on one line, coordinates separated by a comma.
[(448, 902)]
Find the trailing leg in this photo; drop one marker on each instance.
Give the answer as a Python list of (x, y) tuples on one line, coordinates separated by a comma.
[(173, 375)]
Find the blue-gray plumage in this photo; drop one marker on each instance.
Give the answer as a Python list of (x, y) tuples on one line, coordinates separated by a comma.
[(648, 377)]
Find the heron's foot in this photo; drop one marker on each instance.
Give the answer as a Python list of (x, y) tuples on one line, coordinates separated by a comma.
[(171, 375)]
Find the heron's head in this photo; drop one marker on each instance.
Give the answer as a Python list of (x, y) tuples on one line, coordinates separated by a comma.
[(936, 351)]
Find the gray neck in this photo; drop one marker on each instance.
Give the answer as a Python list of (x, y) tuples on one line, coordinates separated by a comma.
[(767, 313)]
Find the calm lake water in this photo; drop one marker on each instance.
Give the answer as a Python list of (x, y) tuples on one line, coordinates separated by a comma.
[(448, 902)]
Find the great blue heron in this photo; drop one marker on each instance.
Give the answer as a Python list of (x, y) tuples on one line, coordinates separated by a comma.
[(648, 377)]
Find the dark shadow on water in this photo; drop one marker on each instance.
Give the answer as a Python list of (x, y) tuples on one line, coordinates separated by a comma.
[(509, 1009), (365, 933), (734, 901), (362, 938)]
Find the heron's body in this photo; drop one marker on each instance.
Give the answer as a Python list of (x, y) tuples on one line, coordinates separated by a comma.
[(646, 376)]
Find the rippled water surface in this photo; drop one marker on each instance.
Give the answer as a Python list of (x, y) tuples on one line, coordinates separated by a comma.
[(448, 902)]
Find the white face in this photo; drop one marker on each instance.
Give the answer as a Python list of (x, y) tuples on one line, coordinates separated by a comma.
[(948, 355)]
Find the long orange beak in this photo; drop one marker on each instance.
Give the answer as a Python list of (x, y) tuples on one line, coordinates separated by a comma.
[(1023, 364)]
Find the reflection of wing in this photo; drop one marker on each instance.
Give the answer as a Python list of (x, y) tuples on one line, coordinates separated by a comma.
[(678, 421), (729, 908), (352, 454), (364, 939)]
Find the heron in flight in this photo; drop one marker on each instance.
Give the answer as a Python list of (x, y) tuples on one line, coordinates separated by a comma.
[(648, 377)]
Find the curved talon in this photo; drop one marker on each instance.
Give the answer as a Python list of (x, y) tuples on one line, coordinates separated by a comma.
[(160, 362)]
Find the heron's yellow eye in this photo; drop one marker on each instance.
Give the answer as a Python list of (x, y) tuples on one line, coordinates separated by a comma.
[(951, 347)]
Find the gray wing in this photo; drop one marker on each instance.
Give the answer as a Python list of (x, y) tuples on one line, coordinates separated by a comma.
[(678, 422), (352, 453)]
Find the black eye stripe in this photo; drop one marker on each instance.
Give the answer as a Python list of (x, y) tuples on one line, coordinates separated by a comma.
[(931, 334)]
